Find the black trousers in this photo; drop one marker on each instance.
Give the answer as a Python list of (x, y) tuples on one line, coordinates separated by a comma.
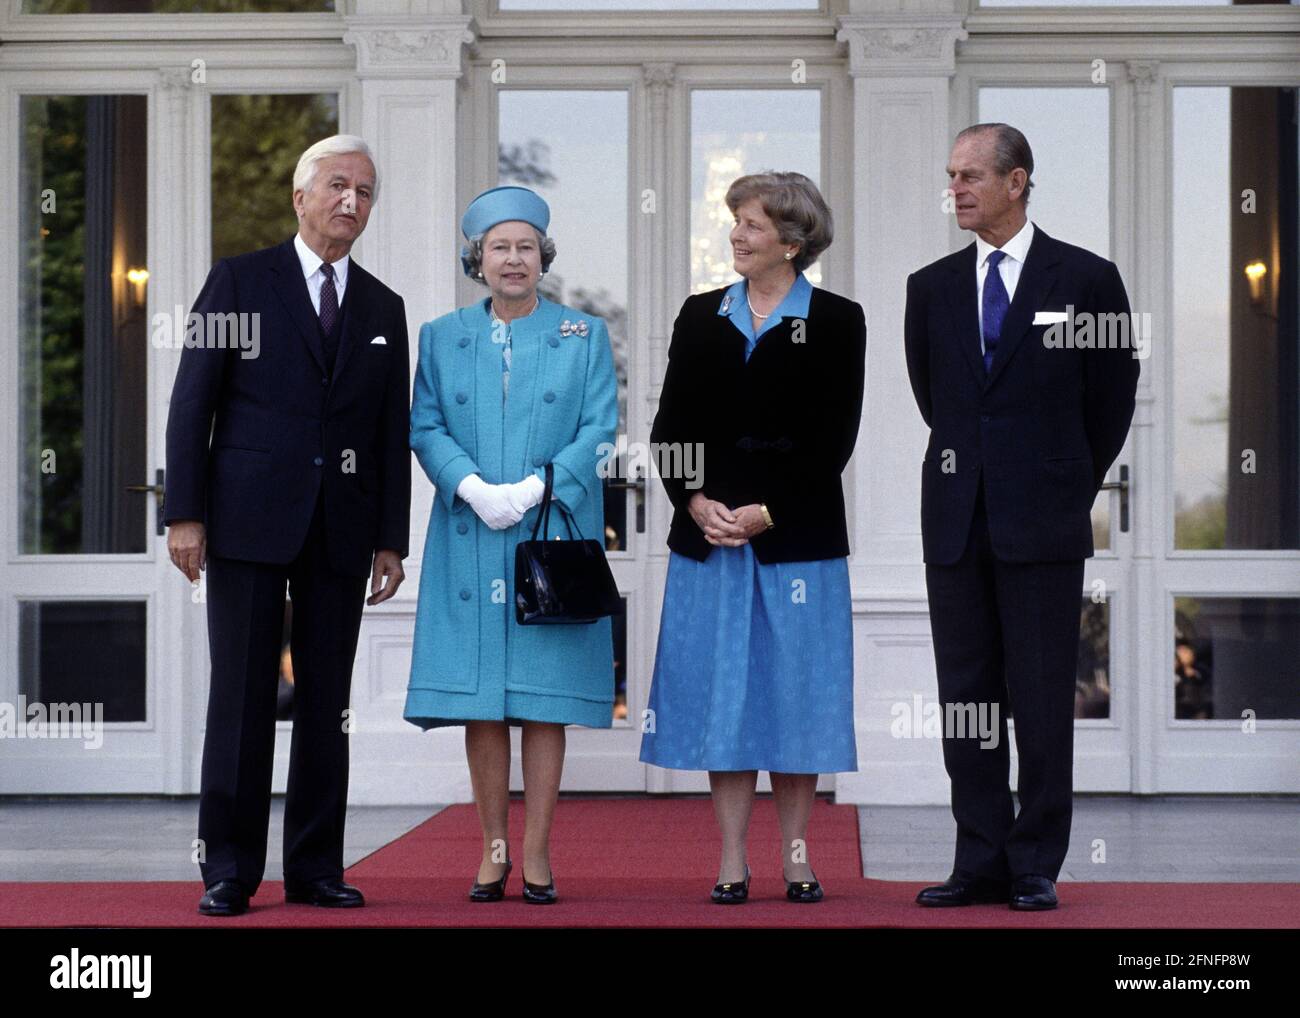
[(1008, 632), (245, 622)]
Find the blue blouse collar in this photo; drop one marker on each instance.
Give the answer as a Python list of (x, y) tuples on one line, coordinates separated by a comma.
[(793, 305)]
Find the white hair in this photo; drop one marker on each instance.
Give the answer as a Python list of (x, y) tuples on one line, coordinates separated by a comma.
[(335, 145)]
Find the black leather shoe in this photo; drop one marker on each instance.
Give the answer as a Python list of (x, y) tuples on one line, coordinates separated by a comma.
[(494, 891), (803, 890), (1032, 893), (328, 892), (225, 897), (733, 893), (965, 891), (540, 894)]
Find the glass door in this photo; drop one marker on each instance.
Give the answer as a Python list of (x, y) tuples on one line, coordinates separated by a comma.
[(84, 551), (1228, 640)]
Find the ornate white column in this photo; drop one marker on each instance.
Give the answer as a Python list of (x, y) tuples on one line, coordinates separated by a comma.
[(403, 102), (901, 63), (407, 71)]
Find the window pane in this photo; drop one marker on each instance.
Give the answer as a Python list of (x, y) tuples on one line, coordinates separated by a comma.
[(1236, 654), (659, 5), (733, 133), (175, 6), (83, 336), (84, 652), (1068, 130), (1236, 359), (256, 142)]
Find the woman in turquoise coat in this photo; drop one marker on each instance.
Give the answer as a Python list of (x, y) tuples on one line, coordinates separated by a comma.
[(502, 388)]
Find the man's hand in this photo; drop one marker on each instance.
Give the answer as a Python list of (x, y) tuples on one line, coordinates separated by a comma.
[(719, 524), (388, 566), (187, 544)]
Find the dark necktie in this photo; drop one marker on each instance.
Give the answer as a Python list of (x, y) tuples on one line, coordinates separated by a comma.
[(995, 304), (329, 314)]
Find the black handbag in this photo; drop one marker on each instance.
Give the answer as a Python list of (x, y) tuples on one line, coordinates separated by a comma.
[(562, 581)]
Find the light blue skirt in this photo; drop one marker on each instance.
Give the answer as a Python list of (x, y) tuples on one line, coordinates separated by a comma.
[(754, 668)]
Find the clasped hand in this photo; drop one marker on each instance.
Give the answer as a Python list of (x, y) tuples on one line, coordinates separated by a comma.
[(729, 528), (501, 505)]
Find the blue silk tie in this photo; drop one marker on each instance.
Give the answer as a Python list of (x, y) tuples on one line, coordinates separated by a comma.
[(995, 304)]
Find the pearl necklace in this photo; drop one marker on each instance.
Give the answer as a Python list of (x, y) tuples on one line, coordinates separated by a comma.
[(492, 307)]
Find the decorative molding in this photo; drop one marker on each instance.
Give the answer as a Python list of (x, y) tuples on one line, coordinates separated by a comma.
[(901, 45), (175, 80), (1143, 74), (659, 77), (408, 47)]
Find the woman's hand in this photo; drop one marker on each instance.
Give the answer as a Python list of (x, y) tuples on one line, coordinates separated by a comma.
[(719, 524), (750, 517)]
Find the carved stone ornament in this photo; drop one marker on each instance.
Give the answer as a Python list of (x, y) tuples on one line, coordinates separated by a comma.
[(901, 45), (400, 48)]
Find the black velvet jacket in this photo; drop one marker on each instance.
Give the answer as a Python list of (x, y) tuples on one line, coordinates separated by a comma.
[(776, 429)]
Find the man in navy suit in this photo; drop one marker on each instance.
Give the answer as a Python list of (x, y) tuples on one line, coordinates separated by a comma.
[(1024, 423), (288, 463)]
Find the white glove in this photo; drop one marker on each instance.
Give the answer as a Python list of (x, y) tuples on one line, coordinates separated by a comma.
[(525, 494), (490, 502)]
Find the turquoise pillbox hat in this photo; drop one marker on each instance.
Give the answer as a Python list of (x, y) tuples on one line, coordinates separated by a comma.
[(499, 205)]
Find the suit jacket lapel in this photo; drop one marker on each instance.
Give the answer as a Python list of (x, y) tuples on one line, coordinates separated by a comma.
[(1036, 281), (963, 297), (292, 289)]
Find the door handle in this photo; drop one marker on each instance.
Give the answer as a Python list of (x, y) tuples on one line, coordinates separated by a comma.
[(636, 484), (157, 488), (1121, 486)]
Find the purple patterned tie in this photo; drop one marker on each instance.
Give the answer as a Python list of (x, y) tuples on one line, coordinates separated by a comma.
[(329, 299)]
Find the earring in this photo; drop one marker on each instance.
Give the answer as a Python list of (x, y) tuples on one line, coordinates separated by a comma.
[(789, 255)]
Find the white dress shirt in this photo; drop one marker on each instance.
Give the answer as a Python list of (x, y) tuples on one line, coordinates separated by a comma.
[(311, 263), (1009, 267)]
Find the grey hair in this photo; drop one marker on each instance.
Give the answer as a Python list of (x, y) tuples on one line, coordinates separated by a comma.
[(475, 257), (1010, 152), (335, 145), (794, 205)]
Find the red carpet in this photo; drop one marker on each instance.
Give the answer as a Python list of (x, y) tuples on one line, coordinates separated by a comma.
[(642, 862)]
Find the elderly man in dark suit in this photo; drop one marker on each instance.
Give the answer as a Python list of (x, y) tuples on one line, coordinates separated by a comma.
[(1023, 428), (289, 467)]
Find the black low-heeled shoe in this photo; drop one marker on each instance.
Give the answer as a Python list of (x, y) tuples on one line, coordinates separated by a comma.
[(733, 893), (494, 891), (803, 890), (540, 894)]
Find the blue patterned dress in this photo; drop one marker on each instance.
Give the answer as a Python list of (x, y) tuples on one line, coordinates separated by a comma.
[(754, 667)]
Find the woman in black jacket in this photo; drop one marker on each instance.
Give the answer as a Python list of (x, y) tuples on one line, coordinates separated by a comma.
[(763, 394)]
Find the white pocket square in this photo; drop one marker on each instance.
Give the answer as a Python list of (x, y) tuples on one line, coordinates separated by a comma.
[(1050, 317), (380, 339)]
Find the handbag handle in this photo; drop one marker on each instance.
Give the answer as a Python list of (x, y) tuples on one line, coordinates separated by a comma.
[(544, 517)]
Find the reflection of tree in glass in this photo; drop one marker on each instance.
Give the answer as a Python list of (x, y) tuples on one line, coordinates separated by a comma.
[(53, 318), (526, 164), (256, 142)]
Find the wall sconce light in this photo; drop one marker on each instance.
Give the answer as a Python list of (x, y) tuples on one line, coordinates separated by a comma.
[(138, 278), (1255, 273)]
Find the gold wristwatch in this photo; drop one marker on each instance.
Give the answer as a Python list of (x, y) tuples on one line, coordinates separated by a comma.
[(767, 516)]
